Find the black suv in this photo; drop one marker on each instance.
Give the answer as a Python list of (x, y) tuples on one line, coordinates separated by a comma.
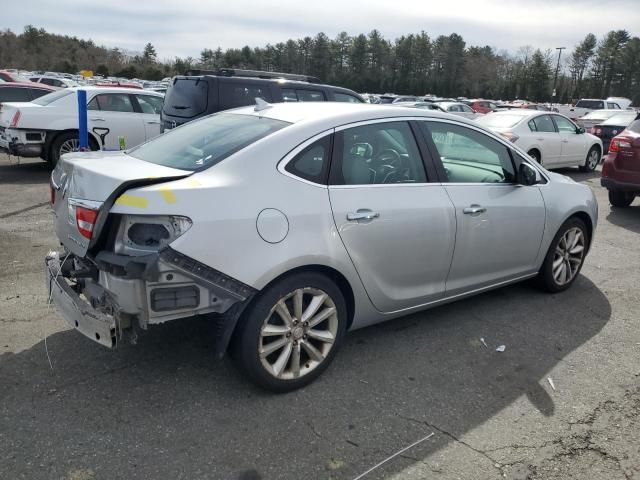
[(200, 92)]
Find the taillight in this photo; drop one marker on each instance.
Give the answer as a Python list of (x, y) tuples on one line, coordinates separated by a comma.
[(613, 146), (15, 119), (510, 136), (86, 220)]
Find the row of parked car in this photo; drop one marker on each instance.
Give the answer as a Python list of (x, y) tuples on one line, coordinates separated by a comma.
[(45, 126)]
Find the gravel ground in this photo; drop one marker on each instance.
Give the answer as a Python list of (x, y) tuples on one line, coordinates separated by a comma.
[(166, 409)]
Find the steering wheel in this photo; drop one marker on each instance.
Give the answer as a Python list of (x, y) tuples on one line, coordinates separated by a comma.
[(388, 156)]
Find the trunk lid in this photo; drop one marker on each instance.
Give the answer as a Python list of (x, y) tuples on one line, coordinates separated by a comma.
[(94, 180)]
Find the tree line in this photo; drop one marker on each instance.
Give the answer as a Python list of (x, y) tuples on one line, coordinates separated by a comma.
[(411, 64)]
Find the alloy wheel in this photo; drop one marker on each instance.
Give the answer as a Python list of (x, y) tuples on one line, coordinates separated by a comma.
[(592, 161), (568, 256), (298, 333), (69, 146)]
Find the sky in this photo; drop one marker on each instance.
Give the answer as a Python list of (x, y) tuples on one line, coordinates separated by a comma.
[(184, 27)]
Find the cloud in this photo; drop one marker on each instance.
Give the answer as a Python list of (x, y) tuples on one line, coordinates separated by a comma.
[(184, 28)]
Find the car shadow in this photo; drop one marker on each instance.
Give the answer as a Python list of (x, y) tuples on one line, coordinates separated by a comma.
[(627, 218), (23, 171), (165, 409), (578, 175)]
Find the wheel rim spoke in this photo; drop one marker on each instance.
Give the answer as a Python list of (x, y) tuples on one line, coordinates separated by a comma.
[(272, 347), (314, 305), (271, 330), (295, 361), (326, 313), (283, 359), (322, 335), (313, 352), (297, 304), (283, 312)]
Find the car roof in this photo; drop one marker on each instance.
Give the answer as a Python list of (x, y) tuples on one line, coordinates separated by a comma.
[(523, 112), (100, 89), (41, 86), (326, 115)]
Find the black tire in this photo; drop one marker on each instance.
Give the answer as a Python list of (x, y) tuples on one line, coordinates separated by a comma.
[(535, 155), (620, 199), (546, 279), (589, 164), (56, 145), (247, 340)]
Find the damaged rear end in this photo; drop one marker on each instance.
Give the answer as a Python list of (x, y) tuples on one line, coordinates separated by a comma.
[(117, 273)]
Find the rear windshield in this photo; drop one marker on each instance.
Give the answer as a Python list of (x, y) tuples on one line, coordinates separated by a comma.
[(593, 104), (500, 121), (622, 119), (203, 143), (52, 97), (187, 98)]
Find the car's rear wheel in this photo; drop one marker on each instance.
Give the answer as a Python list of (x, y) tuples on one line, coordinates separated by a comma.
[(592, 160), (535, 155), (565, 257), (620, 199), (288, 337), (66, 143)]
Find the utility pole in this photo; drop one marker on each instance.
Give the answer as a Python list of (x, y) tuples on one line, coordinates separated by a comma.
[(555, 78)]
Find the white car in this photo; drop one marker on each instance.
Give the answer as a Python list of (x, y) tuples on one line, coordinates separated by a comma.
[(550, 138), (58, 82), (48, 126), (460, 109), (592, 119)]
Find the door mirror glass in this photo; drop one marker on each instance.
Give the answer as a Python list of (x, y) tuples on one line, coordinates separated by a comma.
[(527, 175)]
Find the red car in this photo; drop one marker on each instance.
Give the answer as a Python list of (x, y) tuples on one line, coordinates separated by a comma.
[(482, 106), (22, 91), (621, 169), (6, 76)]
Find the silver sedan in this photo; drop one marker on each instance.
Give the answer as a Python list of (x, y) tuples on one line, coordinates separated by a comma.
[(288, 225)]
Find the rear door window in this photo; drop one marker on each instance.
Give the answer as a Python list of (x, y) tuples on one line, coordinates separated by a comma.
[(111, 102), (187, 98), (11, 94), (544, 123), (234, 94), (38, 92), (150, 104), (310, 96)]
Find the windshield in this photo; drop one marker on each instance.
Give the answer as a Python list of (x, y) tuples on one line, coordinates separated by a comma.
[(204, 143), (500, 121), (51, 97), (593, 104)]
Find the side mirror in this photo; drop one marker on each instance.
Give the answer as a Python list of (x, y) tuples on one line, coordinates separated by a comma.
[(527, 175), (580, 130)]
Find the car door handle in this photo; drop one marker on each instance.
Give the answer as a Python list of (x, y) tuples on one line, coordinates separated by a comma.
[(474, 209), (153, 122), (565, 141), (97, 119), (540, 139), (362, 214)]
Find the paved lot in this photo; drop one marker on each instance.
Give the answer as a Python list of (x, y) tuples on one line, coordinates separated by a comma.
[(166, 409)]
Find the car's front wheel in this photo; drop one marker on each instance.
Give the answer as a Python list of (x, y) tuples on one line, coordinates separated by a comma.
[(565, 256), (620, 199), (592, 160), (292, 331)]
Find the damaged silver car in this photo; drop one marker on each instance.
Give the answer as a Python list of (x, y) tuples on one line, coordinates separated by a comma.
[(287, 225)]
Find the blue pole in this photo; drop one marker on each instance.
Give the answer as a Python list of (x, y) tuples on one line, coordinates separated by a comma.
[(82, 120)]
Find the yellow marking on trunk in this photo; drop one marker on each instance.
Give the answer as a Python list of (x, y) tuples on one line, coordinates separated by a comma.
[(168, 195), (192, 182), (132, 201)]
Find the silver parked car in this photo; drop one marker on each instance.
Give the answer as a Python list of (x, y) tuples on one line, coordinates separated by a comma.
[(289, 224)]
